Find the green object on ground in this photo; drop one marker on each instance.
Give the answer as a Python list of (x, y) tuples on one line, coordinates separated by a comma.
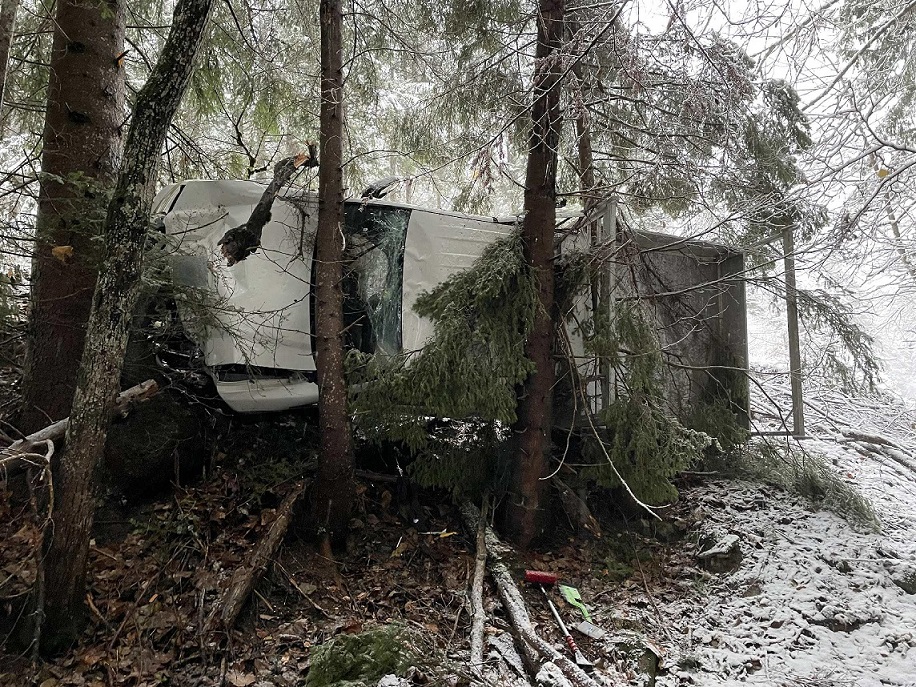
[(572, 596)]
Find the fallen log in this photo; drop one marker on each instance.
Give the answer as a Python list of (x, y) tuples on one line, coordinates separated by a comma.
[(885, 446), (515, 607), (872, 439), (18, 456), (478, 614), (244, 579)]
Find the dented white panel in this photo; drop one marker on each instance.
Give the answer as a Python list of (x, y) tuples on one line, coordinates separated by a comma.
[(439, 244), (262, 303), (261, 312)]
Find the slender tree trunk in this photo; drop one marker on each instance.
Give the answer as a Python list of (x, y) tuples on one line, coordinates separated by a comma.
[(80, 160), (8, 11), (334, 487), (67, 545), (587, 183), (523, 515)]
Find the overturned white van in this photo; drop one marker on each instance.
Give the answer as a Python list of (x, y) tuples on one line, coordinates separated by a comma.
[(257, 343)]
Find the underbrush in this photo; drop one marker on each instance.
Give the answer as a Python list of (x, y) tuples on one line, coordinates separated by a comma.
[(799, 471)]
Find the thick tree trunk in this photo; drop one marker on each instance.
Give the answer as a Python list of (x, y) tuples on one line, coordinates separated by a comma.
[(334, 487), (8, 11), (80, 160), (67, 545), (587, 184), (523, 515)]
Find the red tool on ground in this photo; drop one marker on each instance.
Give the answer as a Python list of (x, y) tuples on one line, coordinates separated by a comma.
[(541, 578)]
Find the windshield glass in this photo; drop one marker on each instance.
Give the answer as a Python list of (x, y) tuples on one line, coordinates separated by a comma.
[(374, 274)]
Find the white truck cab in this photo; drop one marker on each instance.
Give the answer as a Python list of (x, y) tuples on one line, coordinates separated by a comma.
[(256, 336)]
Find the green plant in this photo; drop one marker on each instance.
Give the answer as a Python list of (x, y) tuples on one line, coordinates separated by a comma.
[(803, 472), (359, 660), (637, 440), (450, 403)]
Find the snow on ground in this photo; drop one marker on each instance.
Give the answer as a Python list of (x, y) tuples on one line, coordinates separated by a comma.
[(813, 602)]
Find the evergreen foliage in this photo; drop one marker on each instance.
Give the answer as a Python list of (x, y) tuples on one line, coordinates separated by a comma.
[(645, 444), (722, 412), (807, 473), (449, 404), (848, 357), (471, 365)]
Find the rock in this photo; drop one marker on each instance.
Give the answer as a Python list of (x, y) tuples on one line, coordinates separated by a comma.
[(723, 556), (551, 676), (158, 438), (642, 654), (393, 681), (844, 619), (906, 580)]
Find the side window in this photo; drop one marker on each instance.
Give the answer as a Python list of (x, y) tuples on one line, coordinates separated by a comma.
[(374, 276)]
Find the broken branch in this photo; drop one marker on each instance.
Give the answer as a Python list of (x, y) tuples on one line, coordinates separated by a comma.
[(515, 607), (21, 454), (478, 614), (241, 241)]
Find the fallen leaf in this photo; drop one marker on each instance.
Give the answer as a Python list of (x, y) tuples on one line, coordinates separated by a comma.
[(62, 253), (239, 679)]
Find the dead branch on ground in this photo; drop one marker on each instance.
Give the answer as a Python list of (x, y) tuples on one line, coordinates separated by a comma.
[(246, 577), (478, 614), (514, 604)]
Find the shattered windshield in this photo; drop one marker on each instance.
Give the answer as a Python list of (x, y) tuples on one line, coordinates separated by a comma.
[(373, 283)]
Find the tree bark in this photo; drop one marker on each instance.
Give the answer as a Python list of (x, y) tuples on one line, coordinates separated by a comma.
[(524, 512), (334, 486), (115, 295), (8, 11), (80, 159)]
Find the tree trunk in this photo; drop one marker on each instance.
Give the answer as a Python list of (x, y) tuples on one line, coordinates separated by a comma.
[(8, 11), (334, 487), (584, 148), (80, 159), (523, 515), (113, 302)]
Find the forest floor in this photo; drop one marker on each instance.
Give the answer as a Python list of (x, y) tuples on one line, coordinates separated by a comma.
[(798, 596)]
